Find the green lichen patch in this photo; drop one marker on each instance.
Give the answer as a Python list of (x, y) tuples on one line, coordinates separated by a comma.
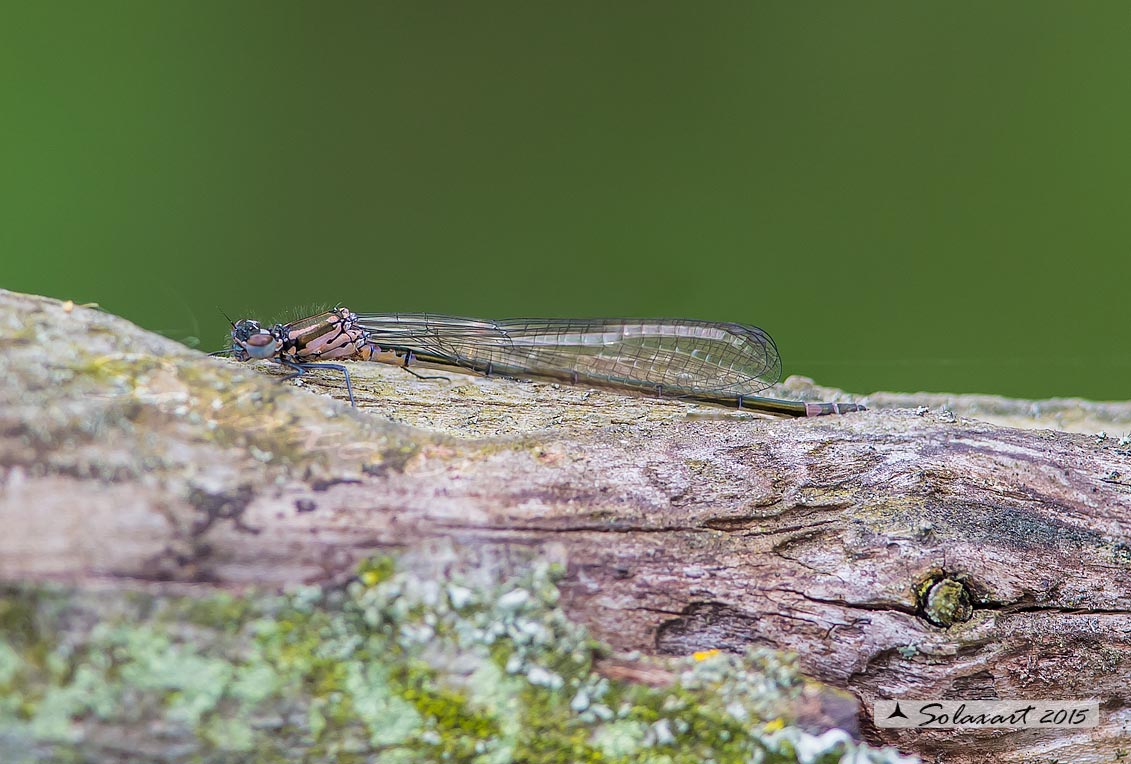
[(456, 664)]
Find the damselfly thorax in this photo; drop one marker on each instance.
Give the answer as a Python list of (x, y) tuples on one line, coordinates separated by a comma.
[(333, 335), (307, 343), (710, 362)]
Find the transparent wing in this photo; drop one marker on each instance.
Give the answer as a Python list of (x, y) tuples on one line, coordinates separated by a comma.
[(672, 356)]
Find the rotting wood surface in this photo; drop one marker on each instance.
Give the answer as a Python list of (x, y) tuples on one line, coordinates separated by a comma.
[(127, 459)]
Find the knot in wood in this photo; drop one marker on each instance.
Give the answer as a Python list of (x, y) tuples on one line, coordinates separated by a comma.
[(945, 601)]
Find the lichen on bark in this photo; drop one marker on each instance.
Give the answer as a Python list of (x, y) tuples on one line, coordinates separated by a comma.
[(396, 664)]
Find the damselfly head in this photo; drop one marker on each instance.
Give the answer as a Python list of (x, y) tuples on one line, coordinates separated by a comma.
[(251, 342)]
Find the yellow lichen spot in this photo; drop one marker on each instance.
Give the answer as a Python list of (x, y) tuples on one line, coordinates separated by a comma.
[(375, 570), (703, 655), (774, 725)]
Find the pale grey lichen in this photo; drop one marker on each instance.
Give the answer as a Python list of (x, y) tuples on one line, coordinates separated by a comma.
[(908, 651)]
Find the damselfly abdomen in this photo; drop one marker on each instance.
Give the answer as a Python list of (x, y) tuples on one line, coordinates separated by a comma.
[(724, 364)]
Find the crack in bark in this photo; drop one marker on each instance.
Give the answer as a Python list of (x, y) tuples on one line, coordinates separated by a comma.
[(872, 607)]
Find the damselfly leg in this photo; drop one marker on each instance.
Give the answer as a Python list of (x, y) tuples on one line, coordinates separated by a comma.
[(409, 358), (299, 369)]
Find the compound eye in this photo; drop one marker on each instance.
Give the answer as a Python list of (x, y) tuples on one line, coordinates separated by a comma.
[(260, 346)]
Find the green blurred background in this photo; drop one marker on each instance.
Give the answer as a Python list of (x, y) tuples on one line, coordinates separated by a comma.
[(908, 196)]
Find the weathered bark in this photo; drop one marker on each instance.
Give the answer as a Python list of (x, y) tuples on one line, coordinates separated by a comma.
[(129, 461)]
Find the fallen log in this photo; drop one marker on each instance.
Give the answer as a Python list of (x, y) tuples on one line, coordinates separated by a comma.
[(900, 553)]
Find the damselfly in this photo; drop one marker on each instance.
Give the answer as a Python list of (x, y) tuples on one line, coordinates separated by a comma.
[(724, 364)]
